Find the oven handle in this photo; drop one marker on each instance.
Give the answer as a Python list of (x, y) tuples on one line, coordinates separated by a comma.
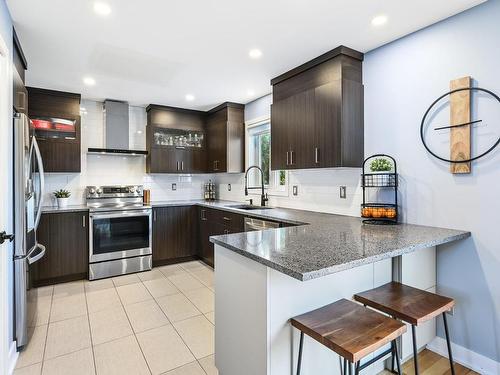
[(96, 215)]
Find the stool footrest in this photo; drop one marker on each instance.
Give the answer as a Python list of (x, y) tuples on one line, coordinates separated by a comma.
[(375, 359)]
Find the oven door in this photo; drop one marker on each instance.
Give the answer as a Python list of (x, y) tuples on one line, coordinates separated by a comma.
[(119, 234)]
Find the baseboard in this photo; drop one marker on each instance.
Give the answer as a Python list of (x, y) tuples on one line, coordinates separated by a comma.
[(466, 357), (13, 355)]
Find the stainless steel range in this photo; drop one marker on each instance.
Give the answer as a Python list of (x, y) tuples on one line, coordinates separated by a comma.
[(120, 234)]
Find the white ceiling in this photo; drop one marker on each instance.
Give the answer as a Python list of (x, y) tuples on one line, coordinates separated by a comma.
[(157, 51)]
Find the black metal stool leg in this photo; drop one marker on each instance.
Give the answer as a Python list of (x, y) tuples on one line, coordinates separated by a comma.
[(299, 363), (345, 366), (448, 343), (415, 353), (395, 354), (350, 368), (356, 370)]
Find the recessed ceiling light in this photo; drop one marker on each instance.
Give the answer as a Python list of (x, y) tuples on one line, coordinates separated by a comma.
[(189, 97), (255, 53), (250, 93), (379, 20), (89, 81), (102, 9)]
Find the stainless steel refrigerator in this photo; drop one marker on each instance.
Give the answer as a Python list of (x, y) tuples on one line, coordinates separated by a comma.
[(28, 196)]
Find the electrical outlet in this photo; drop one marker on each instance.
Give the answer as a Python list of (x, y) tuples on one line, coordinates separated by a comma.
[(343, 192), (228, 187), (174, 186), (295, 190)]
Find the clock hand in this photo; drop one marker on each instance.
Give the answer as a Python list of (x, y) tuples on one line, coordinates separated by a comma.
[(456, 126)]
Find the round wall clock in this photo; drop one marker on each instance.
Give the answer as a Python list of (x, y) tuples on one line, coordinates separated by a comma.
[(462, 125)]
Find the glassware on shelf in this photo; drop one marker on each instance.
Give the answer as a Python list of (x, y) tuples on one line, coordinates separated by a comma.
[(178, 138)]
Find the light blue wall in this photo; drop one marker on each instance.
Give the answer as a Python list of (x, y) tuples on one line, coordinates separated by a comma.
[(401, 80)]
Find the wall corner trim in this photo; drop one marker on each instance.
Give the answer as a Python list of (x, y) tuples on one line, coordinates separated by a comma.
[(466, 357)]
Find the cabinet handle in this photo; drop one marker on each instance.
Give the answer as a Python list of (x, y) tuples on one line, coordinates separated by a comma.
[(154, 215), (182, 165), (287, 162), (291, 157), (227, 218), (83, 221), (177, 164), (316, 155)]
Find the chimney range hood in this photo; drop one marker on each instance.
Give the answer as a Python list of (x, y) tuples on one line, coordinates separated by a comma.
[(116, 131)]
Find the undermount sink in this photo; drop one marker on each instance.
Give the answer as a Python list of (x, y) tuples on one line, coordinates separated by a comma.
[(250, 207)]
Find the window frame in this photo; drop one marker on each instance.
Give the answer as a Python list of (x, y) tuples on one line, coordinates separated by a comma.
[(273, 189)]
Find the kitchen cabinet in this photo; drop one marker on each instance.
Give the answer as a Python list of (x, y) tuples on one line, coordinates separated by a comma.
[(174, 234), (317, 113), (175, 140), (56, 117), (65, 237), (226, 138), (214, 222)]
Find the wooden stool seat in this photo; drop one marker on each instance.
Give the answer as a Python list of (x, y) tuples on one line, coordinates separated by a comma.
[(404, 302), (349, 329)]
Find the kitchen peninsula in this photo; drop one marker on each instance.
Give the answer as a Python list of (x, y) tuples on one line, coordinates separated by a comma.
[(264, 278)]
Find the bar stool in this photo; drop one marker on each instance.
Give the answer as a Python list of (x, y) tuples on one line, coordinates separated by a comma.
[(411, 305), (350, 330)]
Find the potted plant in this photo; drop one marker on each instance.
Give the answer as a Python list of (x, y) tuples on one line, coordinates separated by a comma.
[(382, 166), (62, 197)]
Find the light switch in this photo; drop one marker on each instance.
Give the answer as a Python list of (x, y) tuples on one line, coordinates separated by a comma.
[(228, 187), (343, 192), (295, 190), (174, 186)]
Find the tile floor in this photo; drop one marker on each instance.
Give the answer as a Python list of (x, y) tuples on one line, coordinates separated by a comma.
[(156, 322)]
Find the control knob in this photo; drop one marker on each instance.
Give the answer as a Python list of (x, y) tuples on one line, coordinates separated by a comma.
[(92, 190), (131, 189), (99, 191)]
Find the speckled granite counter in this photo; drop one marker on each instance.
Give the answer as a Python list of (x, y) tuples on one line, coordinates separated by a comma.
[(330, 243), (69, 208)]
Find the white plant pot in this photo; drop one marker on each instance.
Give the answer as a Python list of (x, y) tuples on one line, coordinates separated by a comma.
[(62, 202)]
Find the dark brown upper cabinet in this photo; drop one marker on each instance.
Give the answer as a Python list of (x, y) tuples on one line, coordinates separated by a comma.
[(20, 97), (226, 138), (175, 140), (317, 113), (56, 117)]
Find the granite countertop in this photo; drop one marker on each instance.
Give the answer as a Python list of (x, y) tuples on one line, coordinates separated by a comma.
[(318, 244), (330, 243)]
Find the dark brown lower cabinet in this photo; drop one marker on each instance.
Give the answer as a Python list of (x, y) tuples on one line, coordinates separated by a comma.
[(65, 237), (174, 234)]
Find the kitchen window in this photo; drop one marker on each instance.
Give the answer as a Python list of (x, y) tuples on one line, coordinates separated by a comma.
[(259, 153)]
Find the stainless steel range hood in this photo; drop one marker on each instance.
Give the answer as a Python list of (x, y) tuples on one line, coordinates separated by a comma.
[(116, 128)]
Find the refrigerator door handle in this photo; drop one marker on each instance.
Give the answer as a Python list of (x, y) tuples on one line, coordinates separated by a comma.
[(35, 258), (42, 181)]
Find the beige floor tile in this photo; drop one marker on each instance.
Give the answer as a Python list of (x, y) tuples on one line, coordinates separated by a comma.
[(43, 306), (108, 325), (164, 349), (172, 269), (68, 307), (68, 289), (126, 279), (102, 300), (185, 282), (198, 334), (160, 287), (94, 285), (195, 264), (211, 317), (35, 369), (45, 291), (33, 352), (151, 275), (145, 315), (192, 368), (77, 363), (133, 293), (67, 336), (120, 357), (208, 364), (177, 307), (205, 276), (202, 298)]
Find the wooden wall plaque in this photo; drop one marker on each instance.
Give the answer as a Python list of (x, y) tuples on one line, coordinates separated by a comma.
[(460, 137)]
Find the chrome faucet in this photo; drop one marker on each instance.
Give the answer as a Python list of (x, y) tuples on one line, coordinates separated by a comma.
[(263, 196)]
